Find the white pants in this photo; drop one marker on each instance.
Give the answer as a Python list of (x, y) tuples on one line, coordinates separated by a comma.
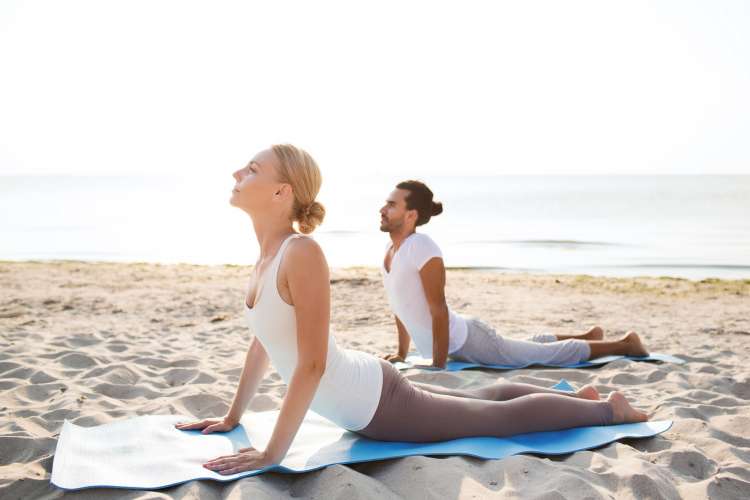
[(486, 347)]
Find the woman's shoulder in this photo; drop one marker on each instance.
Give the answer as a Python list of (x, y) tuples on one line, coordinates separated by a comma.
[(304, 251)]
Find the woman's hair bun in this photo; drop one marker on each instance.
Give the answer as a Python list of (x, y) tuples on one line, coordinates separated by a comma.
[(310, 217), (437, 208)]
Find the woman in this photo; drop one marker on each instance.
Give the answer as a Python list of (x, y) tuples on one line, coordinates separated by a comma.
[(288, 310)]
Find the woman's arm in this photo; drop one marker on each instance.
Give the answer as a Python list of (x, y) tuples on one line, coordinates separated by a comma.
[(309, 286), (256, 362)]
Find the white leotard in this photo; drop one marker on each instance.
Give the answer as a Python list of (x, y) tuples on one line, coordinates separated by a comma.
[(349, 390)]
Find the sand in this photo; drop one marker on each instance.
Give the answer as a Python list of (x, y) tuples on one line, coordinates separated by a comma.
[(95, 342)]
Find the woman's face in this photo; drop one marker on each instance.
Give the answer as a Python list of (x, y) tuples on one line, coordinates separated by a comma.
[(256, 184)]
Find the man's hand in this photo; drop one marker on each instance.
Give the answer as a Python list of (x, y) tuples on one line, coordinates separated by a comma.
[(394, 358)]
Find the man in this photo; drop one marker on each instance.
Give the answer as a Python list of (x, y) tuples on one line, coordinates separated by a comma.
[(414, 279)]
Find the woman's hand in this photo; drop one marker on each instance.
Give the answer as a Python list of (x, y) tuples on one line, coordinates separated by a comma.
[(247, 459), (208, 425)]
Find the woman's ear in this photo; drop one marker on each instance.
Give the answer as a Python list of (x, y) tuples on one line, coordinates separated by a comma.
[(283, 190)]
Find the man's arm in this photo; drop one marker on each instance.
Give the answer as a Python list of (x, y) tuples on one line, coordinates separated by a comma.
[(432, 275), (403, 339), (403, 343)]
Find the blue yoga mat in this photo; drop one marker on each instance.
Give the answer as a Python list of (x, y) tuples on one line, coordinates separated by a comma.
[(147, 452), (454, 366)]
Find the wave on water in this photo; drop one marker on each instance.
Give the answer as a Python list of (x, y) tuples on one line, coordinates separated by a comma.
[(733, 267), (548, 243)]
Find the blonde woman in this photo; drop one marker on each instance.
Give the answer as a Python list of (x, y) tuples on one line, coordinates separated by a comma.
[(287, 308)]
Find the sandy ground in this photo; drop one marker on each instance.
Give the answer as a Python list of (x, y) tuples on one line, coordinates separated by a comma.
[(93, 342)]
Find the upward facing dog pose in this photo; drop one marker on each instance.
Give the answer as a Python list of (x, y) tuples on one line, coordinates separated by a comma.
[(287, 308), (414, 279)]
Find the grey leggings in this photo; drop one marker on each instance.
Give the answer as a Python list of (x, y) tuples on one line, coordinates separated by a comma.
[(422, 413)]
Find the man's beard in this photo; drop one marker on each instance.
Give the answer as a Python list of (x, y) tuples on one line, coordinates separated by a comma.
[(389, 226)]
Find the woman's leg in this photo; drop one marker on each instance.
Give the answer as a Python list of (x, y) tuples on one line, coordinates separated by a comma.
[(504, 391), (407, 413)]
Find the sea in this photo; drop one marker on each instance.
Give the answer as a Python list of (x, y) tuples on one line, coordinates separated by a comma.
[(694, 227)]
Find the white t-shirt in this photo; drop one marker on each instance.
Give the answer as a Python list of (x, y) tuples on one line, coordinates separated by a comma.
[(407, 298)]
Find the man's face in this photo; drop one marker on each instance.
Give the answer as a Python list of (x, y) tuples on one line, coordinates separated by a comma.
[(394, 214)]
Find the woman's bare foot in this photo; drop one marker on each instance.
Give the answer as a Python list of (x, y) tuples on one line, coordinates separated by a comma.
[(622, 412), (588, 392), (635, 347)]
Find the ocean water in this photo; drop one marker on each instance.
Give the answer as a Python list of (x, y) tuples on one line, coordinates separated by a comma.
[(684, 226)]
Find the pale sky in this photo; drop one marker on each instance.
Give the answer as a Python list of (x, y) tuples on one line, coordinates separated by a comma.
[(412, 88)]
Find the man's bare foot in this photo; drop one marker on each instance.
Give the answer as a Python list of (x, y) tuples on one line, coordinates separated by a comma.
[(596, 333), (588, 392), (622, 412), (635, 347)]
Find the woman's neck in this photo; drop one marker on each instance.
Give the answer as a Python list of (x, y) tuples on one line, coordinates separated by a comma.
[(270, 232)]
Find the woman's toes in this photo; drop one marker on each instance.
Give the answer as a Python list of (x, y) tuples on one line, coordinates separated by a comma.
[(588, 392)]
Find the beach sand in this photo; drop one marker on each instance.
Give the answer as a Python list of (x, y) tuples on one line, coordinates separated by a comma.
[(96, 342)]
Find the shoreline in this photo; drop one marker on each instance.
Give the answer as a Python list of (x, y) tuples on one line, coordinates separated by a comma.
[(469, 269)]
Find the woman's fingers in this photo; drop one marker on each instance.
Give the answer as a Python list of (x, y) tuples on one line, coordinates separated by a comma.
[(208, 425), (248, 459), (192, 425), (233, 470), (217, 427), (220, 464)]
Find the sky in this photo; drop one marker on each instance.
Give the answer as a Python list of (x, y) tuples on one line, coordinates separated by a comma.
[(191, 88)]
